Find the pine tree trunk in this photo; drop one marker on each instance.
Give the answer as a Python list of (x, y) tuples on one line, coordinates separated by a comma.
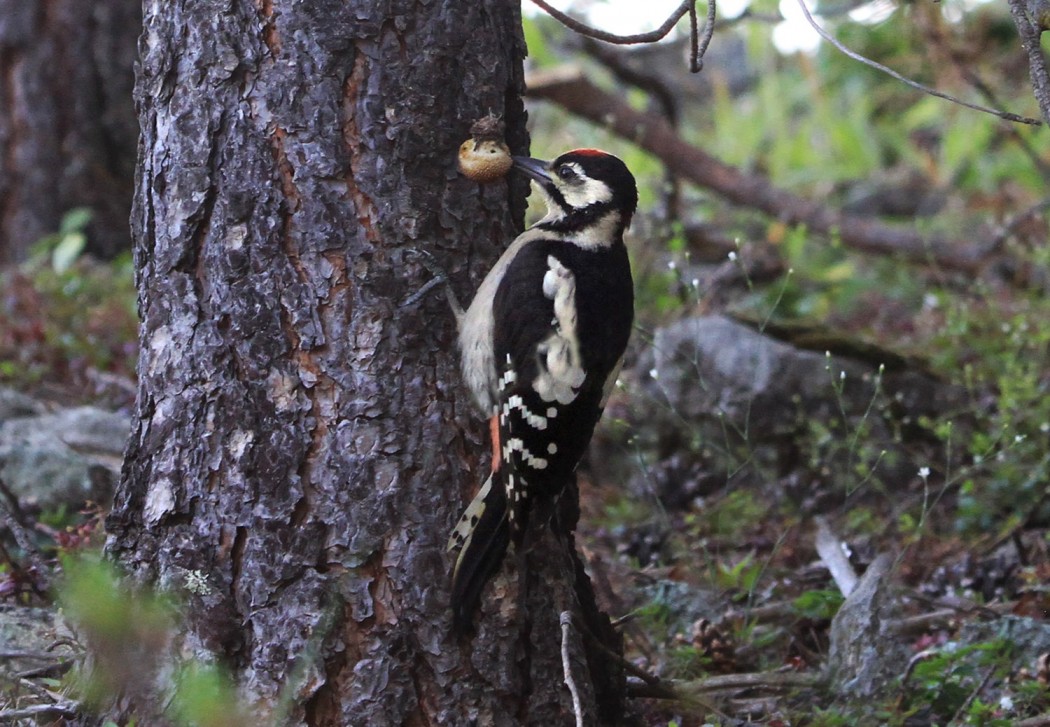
[(303, 444), (67, 123)]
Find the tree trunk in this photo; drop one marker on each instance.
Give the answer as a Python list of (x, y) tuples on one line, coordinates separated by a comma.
[(67, 122), (303, 444)]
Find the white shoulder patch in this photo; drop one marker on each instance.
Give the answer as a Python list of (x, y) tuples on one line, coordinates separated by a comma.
[(561, 373)]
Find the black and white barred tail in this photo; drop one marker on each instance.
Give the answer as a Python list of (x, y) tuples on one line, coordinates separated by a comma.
[(479, 541)]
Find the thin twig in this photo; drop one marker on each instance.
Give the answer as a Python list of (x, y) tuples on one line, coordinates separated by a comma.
[(969, 700), (423, 290), (697, 46), (914, 84), (697, 61), (625, 664), (936, 34), (9, 516), (1037, 70), (566, 665), (1010, 226), (651, 37)]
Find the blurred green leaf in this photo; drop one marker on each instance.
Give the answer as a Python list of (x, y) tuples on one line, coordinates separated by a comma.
[(75, 220), (66, 252)]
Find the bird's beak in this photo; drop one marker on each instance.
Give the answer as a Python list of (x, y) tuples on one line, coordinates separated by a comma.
[(535, 168)]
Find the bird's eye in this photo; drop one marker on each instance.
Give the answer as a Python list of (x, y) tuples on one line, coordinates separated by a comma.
[(565, 173)]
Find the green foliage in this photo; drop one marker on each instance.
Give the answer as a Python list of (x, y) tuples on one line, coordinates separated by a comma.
[(205, 697), (130, 633), (1002, 464), (63, 248), (732, 514), (741, 577), (818, 604), (946, 681), (63, 314)]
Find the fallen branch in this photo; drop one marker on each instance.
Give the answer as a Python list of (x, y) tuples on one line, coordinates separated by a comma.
[(61, 709), (771, 680), (829, 548), (568, 88)]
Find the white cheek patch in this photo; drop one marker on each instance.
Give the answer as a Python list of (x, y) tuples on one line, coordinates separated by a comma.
[(590, 192), (561, 372), (600, 234)]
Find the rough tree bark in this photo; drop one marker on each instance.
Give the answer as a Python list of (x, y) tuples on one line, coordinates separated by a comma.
[(303, 444), (67, 122)]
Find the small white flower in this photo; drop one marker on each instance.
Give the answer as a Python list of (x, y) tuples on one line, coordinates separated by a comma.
[(671, 265), (732, 255), (1044, 427), (1006, 703), (696, 282), (653, 373), (924, 472), (1018, 438)]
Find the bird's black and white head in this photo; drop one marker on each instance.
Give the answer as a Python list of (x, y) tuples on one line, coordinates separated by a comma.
[(590, 195)]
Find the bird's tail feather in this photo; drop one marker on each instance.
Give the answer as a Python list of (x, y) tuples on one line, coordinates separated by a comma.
[(480, 538)]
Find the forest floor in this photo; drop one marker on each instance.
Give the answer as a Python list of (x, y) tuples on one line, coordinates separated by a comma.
[(746, 592)]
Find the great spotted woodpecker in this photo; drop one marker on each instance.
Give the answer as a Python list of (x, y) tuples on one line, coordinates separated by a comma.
[(541, 345)]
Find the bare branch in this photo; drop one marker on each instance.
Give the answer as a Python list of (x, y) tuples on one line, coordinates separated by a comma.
[(829, 549), (651, 37), (914, 84), (698, 46)]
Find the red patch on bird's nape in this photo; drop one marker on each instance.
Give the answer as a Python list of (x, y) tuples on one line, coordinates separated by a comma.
[(590, 152)]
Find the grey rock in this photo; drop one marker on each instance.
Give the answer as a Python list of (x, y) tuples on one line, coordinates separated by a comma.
[(28, 637), (711, 367), (682, 604), (15, 404), (710, 393), (862, 656), (66, 458), (1029, 638)]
